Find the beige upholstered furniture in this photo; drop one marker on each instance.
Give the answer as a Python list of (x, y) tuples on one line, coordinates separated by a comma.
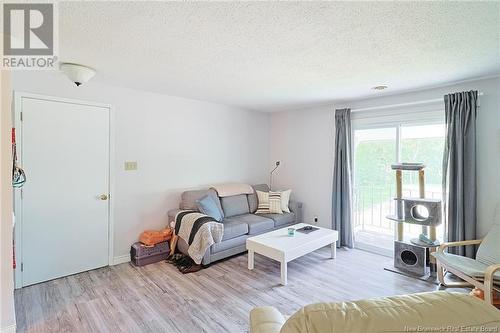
[(406, 313), (482, 273)]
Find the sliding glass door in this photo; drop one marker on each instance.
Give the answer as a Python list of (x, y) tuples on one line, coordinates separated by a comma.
[(374, 152), (376, 147)]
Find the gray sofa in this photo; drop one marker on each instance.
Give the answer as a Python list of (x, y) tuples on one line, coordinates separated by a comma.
[(240, 222)]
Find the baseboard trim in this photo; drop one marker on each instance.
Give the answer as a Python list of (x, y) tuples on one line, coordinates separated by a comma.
[(121, 259), (8, 329)]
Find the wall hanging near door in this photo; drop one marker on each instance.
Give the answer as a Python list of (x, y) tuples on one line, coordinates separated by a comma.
[(18, 175)]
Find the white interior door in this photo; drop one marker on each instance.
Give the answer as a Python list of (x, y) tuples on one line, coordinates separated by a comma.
[(65, 216)]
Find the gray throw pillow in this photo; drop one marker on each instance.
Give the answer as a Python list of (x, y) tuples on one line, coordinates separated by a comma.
[(208, 206)]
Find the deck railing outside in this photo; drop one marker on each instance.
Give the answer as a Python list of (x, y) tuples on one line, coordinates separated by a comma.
[(372, 204)]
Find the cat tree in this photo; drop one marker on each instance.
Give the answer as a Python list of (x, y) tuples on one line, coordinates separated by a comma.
[(413, 256)]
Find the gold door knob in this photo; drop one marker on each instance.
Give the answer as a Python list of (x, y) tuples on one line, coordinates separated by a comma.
[(103, 197)]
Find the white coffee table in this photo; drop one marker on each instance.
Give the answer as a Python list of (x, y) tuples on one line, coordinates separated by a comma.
[(279, 246)]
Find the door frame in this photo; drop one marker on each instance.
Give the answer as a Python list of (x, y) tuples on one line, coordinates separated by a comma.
[(17, 109)]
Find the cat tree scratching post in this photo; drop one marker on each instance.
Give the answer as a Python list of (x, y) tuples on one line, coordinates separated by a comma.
[(412, 256), (399, 196), (399, 203), (421, 188)]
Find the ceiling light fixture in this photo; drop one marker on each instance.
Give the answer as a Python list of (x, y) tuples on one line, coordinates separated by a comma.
[(79, 74), (382, 87)]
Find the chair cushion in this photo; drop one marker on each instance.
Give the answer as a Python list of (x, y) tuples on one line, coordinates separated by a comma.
[(466, 265), (256, 224), (234, 228), (253, 201), (235, 205), (281, 219), (488, 252)]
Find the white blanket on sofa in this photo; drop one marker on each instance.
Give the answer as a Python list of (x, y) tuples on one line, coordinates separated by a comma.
[(199, 231), (227, 190)]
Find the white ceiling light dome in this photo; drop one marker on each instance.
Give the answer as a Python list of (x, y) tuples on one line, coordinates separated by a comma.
[(78, 74)]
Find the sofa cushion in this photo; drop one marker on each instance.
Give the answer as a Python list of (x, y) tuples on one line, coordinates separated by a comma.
[(253, 201), (256, 223), (234, 228), (228, 244), (189, 198), (281, 219), (235, 205), (396, 314)]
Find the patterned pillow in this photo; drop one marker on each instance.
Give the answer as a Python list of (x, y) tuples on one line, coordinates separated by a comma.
[(269, 203), (285, 199), (263, 198), (275, 203)]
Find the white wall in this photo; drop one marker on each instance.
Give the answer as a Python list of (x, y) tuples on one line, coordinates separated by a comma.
[(303, 141), (178, 144), (308, 142)]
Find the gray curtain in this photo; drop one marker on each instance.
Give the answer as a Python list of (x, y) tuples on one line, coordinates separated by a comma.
[(342, 179), (459, 169)]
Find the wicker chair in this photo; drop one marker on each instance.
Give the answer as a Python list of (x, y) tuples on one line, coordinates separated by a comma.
[(482, 272)]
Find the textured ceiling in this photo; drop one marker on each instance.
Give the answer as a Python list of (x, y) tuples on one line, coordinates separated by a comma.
[(276, 55)]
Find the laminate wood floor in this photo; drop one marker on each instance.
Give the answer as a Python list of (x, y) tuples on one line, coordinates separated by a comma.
[(157, 298)]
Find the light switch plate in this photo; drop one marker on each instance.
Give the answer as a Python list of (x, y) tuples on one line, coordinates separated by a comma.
[(130, 165)]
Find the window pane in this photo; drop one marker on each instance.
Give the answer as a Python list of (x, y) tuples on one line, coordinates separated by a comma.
[(374, 152), (423, 144)]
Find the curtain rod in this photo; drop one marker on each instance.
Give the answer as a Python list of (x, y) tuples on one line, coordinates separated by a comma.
[(390, 106)]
